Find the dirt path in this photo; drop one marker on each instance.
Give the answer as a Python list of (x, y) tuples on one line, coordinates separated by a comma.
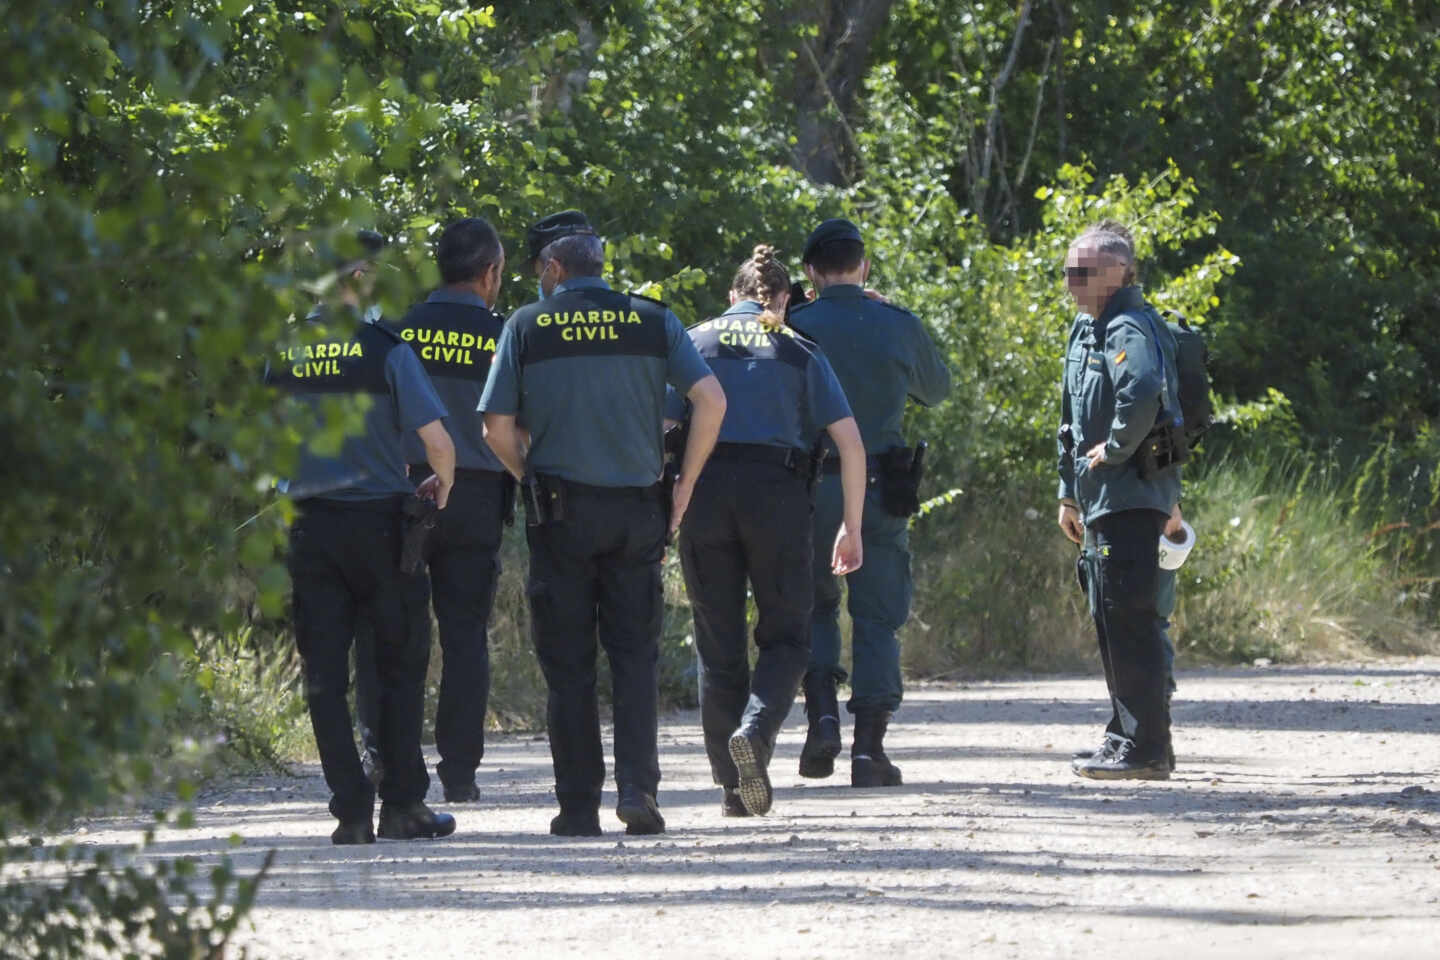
[(1304, 821)]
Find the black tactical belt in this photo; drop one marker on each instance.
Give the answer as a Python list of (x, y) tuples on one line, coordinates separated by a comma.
[(550, 481), (791, 458), (388, 503), (832, 465)]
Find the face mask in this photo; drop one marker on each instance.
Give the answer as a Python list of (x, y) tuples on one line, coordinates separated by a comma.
[(540, 282)]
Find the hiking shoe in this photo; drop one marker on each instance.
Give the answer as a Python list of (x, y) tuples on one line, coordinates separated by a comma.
[(576, 823), (462, 793), (731, 805), (1125, 762), (639, 812), (747, 750), (413, 822), (355, 832), (1107, 746)]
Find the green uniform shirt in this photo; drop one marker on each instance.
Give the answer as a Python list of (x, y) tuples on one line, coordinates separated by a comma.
[(1119, 376), (880, 353)]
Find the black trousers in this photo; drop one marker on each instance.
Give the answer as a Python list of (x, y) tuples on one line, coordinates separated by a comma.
[(1118, 567), (596, 574), (344, 565), (747, 522), (463, 559)]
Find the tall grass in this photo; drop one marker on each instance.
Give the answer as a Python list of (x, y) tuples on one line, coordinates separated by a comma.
[(1294, 561)]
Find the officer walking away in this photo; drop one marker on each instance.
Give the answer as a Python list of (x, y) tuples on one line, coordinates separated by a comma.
[(584, 369), (881, 354), (455, 332), (1119, 490), (750, 519), (345, 553)]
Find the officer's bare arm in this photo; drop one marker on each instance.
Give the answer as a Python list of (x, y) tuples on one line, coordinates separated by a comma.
[(707, 411), (707, 399), (506, 439), (847, 554), (440, 454)]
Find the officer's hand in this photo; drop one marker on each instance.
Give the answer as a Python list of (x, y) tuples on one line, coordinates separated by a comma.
[(433, 488), (848, 554), (1175, 525), (1095, 456), (679, 500), (1070, 523)]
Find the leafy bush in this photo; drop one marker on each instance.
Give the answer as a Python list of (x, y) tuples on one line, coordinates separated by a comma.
[(72, 903)]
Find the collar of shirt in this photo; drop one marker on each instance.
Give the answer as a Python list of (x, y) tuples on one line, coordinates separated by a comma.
[(744, 308), (451, 295), (837, 290), (581, 283), (1126, 298)]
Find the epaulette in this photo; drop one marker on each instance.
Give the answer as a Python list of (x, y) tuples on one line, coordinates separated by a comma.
[(384, 327), (893, 306), (798, 335), (797, 307), (641, 296)]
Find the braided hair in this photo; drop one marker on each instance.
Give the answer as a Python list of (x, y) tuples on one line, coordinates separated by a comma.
[(762, 278)]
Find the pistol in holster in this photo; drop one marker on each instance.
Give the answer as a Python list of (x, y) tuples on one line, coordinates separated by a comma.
[(900, 471), (1164, 447), (419, 519), (544, 499), (674, 456), (816, 467), (1066, 436)]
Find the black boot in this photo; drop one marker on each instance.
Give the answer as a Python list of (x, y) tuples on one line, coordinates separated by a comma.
[(869, 767), (822, 740)]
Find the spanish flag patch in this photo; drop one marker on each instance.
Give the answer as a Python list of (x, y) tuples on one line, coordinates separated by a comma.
[(1120, 357)]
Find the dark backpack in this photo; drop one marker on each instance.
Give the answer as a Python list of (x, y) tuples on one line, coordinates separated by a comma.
[(1191, 355)]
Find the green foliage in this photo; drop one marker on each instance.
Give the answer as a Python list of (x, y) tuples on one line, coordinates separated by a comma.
[(77, 903)]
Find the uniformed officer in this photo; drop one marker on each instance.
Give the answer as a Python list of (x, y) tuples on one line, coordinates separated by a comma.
[(1120, 385), (584, 369), (750, 519), (881, 354), (455, 332), (345, 553)]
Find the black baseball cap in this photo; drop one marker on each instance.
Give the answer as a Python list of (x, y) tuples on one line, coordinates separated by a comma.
[(557, 226), (828, 232)]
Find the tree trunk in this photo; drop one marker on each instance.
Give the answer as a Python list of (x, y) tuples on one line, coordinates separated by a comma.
[(828, 72)]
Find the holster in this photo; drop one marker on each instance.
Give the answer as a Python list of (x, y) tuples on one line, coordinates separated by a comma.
[(674, 456), (816, 466), (1164, 447), (544, 500), (900, 470), (420, 517)]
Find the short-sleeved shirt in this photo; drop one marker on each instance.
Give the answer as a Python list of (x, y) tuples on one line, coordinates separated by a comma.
[(881, 354), (370, 362), (779, 389), (585, 369), (455, 333)]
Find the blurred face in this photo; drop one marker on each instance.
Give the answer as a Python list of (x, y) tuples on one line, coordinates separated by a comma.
[(1092, 277), (491, 281), (547, 274)]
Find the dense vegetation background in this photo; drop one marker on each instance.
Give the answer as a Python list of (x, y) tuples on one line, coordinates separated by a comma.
[(171, 170)]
